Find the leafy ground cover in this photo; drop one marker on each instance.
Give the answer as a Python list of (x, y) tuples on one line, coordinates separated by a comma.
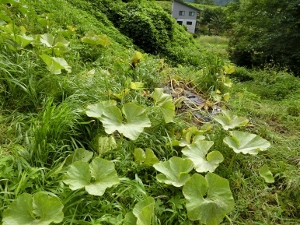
[(89, 136)]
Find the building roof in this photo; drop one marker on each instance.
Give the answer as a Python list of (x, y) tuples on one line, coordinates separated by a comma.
[(183, 3)]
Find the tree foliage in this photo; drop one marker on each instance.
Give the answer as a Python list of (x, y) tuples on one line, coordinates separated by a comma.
[(267, 31), (150, 27)]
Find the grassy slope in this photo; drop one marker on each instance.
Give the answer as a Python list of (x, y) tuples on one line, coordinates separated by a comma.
[(275, 120)]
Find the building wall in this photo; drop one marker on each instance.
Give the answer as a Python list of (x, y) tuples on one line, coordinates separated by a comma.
[(188, 19), (177, 7), (190, 24)]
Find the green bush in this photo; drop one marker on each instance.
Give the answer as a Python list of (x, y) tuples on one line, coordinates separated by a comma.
[(147, 24), (266, 32)]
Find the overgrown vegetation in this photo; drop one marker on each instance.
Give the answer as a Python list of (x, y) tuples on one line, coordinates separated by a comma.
[(266, 32), (94, 129)]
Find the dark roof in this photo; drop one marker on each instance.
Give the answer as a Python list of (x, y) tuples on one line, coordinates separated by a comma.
[(183, 3)]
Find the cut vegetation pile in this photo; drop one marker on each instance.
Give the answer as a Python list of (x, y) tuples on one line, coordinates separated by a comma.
[(96, 126)]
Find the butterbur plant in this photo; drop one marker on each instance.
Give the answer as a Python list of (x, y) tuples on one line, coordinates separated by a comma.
[(203, 161), (175, 171), (130, 121), (40, 208), (209, 198), (95, 177), (143, 213)]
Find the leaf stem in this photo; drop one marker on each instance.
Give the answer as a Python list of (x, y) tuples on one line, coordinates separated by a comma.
[(229, 220)]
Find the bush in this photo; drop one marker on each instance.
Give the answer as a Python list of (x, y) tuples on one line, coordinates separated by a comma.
[(266, 32), (150, 27)]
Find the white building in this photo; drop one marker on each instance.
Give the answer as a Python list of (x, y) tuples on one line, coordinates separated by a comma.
[(185, 15)]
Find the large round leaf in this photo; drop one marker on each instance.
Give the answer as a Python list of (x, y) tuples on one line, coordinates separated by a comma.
[(131, 126), (95, 177), (96, 110), (144, 211), (230, 121), (203, 161), (39, 209), (164, 101), (243, 142), (209, 199), (174, 171)]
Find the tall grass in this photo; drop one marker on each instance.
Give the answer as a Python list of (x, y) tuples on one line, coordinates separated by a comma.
[(50, 136)]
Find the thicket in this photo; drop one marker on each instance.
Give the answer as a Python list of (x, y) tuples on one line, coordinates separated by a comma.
[(266, 32), (213, 20), (151, 28)]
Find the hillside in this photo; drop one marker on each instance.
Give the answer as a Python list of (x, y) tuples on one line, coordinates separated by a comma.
[(216, 2), (112, 113)]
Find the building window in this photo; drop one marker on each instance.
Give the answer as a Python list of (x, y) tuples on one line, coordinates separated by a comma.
[(179, 22), (191, 13), (181, 13), (189, 23)]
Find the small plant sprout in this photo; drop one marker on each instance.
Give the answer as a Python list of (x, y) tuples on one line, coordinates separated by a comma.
[(266, 174), (104, 144), (136, 59), (193, 134), (146, 158)]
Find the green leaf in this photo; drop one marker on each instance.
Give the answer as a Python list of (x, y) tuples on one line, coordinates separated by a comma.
[(96, 110), (95, 177), (227, 82), (265, 173), (93, 39), (78, 175), (80, 154), (147, 158), (105, 144), (24, 40), (137, 85), (192, 134), (229, 69), (164, 101), (230, 121), (174, 171), (203, 161), (47, 39), (41, 209), (130, 219), (135, 116), (55, 64), (144, 211), (105, 175), (208, 199), (246, 143)]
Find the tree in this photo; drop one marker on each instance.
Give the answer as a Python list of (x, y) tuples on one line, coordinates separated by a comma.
[(205, 2), (267, 31)]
